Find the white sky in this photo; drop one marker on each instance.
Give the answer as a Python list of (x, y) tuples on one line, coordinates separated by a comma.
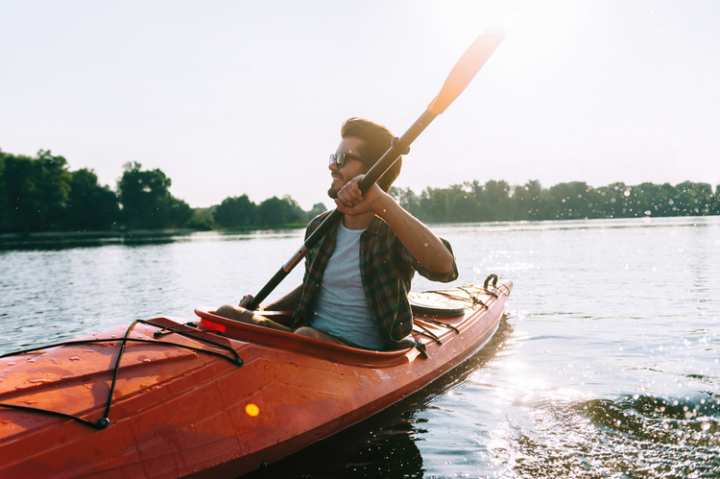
[(232, 97)]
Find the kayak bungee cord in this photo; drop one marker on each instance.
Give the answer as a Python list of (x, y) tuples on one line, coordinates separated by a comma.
[(438, 323), (490, 282), (427, 333), (161, 323)]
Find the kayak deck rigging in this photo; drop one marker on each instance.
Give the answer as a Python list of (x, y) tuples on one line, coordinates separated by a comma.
[(164, 325)]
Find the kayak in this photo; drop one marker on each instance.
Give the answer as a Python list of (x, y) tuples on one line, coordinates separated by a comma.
[(216, 397)]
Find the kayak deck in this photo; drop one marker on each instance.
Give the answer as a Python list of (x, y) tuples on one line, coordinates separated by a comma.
[(192, 408)]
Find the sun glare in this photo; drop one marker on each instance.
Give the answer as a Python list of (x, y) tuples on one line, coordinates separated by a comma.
[(528, 25)]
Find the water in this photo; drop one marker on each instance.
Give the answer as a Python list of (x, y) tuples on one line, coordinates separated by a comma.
[(608, 365)]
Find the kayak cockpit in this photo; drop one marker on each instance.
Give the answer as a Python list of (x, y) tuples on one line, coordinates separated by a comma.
[(275, 338), (439, 315)]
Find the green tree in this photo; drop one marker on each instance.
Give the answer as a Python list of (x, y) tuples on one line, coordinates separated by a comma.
[(528, 201), (202, 218), (612, 201), (495, 194), (275, 212), (236, 212), (146, 200), (317, 208), (53, 183), (643, 200), (177, 213), (571, 200), (482, 208), (435, 204), (693, 199), (35, 191), (90, 205)]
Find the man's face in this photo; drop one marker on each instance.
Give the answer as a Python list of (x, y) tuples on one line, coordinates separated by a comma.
[(352, 148)]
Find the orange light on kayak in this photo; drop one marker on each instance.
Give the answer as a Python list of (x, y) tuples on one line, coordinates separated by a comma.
[(213, 326), (252, 410)]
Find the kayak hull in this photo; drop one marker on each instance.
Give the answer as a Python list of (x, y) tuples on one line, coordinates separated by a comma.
[(177, 412)]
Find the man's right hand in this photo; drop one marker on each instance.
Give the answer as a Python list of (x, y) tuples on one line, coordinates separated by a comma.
[(247, 299)]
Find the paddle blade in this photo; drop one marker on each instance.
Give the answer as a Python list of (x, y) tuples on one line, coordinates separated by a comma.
[(464, 70)]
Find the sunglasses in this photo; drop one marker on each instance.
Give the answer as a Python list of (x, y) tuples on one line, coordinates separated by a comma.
[(340, 158)]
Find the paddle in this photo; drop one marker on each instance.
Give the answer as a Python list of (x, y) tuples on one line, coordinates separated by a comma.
[(460, 76)]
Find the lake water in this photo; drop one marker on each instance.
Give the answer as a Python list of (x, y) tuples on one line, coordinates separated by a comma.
[(608, 364)]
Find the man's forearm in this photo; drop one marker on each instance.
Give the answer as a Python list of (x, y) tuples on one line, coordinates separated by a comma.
[(287, 302), (422, 243)]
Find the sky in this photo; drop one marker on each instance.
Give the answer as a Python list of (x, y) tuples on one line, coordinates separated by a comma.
[(231, 98)]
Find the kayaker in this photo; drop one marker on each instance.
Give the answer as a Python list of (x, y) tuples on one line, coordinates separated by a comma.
[(358, 276)]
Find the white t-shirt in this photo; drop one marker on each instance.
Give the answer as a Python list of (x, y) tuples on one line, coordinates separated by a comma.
[(341, 309)]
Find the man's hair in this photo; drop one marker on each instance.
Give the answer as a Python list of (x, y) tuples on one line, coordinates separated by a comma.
[(377, 139)]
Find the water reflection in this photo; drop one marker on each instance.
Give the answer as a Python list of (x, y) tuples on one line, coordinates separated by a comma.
[(632, 436), (53, 242), (386, 445)]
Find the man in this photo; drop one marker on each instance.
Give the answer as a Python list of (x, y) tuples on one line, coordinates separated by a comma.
[(358, 276)]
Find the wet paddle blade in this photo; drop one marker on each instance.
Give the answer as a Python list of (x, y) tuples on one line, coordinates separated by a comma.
[(464, 70)]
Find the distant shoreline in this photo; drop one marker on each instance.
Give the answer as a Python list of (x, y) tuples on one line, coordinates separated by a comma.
[(64, 239)]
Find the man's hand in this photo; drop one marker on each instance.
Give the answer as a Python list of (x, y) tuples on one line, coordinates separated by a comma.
[(247, 299), (351, 201)]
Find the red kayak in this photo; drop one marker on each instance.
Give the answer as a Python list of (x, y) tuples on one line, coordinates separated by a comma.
[(216, 398)]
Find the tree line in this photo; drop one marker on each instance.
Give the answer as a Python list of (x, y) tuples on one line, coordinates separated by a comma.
[(497, 200), (41, 193)]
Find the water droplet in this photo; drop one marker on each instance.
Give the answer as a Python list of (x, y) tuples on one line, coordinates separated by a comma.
[(74, 358)]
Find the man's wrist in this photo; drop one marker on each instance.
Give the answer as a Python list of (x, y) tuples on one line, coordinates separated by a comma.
[(383, 204)]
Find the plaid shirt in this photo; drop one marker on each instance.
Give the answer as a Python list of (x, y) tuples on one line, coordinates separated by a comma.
[(386, 269)]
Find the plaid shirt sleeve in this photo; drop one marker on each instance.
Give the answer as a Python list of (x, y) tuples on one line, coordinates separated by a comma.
[(407, 258)]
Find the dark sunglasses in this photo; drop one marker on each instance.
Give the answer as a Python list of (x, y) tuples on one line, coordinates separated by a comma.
[(340, 158)]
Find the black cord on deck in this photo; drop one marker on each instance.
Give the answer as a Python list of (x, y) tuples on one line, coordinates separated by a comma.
[(104, 420)]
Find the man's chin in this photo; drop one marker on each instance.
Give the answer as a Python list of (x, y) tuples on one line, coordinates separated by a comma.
[(334, 189)]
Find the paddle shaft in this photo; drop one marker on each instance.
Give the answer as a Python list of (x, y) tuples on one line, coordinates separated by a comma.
[(399, 147)]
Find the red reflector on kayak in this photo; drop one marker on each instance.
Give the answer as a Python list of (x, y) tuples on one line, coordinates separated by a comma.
[(213, 326)]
